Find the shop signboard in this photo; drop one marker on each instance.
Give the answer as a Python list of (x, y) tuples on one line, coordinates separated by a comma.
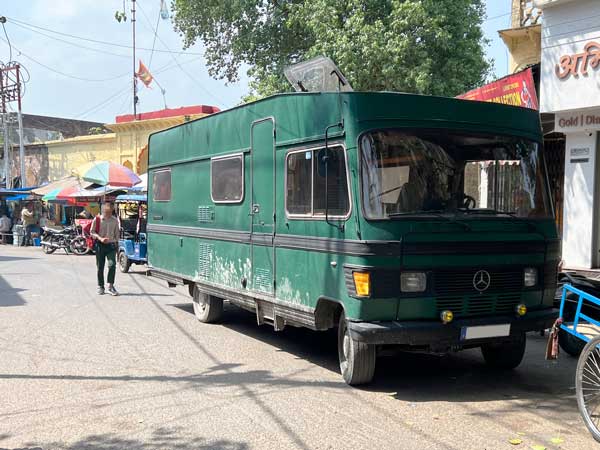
[(571, 122), (517, 89), (570, 69)]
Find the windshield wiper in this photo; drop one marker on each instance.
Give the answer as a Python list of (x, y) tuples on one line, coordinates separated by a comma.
[(433, 213), (510, 214)]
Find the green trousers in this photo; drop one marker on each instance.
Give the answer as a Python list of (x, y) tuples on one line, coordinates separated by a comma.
[(106, 252)]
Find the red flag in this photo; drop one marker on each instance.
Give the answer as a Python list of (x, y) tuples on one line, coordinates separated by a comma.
[(144, 74)]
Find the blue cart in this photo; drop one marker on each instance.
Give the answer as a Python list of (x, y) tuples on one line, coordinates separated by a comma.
[(132, 213), (587, 377)]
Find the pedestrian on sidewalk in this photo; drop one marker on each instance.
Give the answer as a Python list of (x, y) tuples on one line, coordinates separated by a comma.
[(28, 222), (105, 232)]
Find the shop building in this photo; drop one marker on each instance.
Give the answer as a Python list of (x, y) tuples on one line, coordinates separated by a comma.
[(570, 91)]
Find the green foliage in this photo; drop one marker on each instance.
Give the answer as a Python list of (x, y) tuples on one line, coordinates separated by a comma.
[(423, 46)]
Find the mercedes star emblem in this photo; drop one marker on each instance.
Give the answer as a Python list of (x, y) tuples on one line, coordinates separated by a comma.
[(482, 280)]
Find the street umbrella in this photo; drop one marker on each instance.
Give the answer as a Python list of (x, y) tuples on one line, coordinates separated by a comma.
[(60, 194), (108, 173)]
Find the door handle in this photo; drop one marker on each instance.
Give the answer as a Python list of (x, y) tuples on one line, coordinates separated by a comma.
[(255, 208)]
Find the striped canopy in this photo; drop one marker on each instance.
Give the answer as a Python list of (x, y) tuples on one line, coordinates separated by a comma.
[(108, 173)]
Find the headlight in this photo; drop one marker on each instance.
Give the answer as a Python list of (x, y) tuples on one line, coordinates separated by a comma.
[(530, 276), (413, 281)]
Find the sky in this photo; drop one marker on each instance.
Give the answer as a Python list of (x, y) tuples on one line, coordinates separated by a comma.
[(95, 82)]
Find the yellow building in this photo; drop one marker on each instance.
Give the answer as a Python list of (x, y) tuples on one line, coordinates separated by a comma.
[(524, 38), (127, 144)]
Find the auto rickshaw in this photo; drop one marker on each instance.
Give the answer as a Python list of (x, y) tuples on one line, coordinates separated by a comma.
[(132, 212)]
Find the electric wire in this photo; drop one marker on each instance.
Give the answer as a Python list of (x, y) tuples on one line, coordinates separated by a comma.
[(100, 41), (49, 36), (210, 94), (75, 77), (497, 17), (154, 40), (103, 103)]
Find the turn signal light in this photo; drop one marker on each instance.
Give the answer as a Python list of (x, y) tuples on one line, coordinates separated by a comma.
[(447, 316), (362, 283), (521, 310)]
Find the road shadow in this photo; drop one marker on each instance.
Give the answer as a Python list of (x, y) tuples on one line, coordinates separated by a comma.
[(415, 377), (9, 296), (14, 258), (161, 439), (319, 348)]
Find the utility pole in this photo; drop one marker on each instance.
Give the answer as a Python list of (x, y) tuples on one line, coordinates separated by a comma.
[(135, 96), (7, 157), (10, 91), (22, 171)]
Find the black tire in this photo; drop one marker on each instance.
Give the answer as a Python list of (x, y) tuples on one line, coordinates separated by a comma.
[(207, 308), (570, 344), (79, 246), (587, 380), (124, 262), (357, 359), (191, 288), (505, 355)]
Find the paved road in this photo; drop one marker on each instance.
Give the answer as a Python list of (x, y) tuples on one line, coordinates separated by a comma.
[(79, 371)]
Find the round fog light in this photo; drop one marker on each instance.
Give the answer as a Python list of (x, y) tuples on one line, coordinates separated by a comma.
[(521, 310), (447, 316)]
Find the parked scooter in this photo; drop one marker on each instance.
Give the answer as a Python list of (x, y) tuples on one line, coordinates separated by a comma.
[(53, 239)]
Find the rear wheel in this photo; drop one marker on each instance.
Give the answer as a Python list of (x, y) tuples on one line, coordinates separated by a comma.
[(587, 386), (357, 359), (505, 355), (124, 262), (570, 344), (207, 308), (79, 245)]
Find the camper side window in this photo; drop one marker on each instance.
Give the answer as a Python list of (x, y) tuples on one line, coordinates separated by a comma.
[(227, 179), (161, 185), (306, 193)]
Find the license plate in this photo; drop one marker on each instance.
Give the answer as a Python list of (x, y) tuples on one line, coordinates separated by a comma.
[(484, 331)]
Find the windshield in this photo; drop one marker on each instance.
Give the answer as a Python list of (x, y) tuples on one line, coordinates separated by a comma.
[(435, 171)]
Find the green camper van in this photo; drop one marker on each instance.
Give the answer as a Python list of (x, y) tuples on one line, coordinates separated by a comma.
[(414, 222)]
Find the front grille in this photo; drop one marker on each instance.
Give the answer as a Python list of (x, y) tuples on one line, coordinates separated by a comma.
[(454, 282), (478, 305)]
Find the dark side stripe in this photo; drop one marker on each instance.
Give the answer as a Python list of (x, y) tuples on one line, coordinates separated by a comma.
[(355, 247)]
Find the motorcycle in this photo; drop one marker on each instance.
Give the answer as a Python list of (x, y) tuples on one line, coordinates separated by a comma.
[(53, 239)]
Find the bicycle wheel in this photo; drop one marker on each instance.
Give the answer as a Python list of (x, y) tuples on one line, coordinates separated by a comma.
[(587, 386)]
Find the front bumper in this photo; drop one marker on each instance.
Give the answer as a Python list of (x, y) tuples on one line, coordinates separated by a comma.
[(434, 335)]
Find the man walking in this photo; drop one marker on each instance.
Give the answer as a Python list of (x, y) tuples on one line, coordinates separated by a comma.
[(28, 222), (105, 231)]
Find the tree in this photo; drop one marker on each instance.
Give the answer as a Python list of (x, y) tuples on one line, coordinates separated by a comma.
[(422, 46)]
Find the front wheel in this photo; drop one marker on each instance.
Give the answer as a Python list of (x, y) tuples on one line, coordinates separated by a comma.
[(587, 382), (207, 308), (357, 359), (505, 355), (124, 262), (79, 245)]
